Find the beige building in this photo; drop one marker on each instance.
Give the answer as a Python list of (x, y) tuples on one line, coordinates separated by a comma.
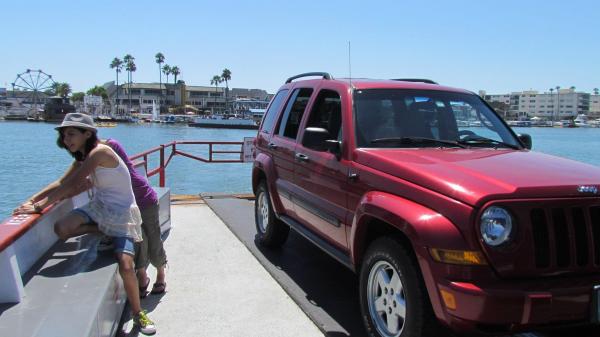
[(140, 97), (594, 106), (555, 105)]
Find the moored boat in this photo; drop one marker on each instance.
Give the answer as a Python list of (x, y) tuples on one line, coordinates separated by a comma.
[(218, 122)]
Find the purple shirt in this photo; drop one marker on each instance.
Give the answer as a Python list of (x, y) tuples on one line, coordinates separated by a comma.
[(144, 194)]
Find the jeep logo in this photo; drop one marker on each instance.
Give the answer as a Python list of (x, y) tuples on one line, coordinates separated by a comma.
[(587, 189)]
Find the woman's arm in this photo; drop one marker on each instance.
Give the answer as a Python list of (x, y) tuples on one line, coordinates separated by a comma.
[(99, 156), (49, 188), (52, 186)]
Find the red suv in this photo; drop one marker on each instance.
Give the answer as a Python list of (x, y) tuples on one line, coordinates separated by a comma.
[(439, 207)]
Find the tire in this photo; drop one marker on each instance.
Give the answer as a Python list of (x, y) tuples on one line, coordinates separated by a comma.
[(271, 232), (393, 298)]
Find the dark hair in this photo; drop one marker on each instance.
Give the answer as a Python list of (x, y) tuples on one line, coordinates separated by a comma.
[(90, 144)]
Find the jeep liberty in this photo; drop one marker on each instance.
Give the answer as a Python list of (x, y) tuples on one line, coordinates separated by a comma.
[(439, 207)]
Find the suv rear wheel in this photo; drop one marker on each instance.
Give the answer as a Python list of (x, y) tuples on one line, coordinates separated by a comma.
[(271, 231), (393, 301)]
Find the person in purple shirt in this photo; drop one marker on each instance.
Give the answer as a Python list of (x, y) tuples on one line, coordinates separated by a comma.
[(151, 249)]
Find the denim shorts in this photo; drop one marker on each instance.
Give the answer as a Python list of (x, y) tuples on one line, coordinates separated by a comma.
[(122, 244)]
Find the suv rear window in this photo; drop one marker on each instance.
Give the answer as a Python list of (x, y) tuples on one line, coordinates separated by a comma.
[(271, 114), (292, 116)]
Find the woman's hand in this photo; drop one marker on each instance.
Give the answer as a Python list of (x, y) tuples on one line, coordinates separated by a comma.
[(27, 208)]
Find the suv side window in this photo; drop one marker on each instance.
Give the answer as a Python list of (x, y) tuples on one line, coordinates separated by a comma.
[(271, 114), (292, 116), (327, 113)]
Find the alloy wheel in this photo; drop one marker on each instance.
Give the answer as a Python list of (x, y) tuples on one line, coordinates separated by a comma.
[(263, 212), (386, 299)]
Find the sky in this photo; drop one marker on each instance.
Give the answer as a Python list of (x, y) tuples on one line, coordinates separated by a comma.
[(497, 46)]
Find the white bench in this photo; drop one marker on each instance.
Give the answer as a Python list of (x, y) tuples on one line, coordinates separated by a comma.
[(54, 288)]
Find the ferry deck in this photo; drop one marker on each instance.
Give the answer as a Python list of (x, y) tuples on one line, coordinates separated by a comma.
[(220, 282)]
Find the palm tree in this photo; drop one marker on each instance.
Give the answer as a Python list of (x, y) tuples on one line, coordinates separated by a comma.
[(98, 91), (216, 80), (77, 97), (63, 89), (572, 88), (160, 59), (54, 87), (167, 71), (226, 76), (117, 64), (596, 90), (130, 67), (175, 71)]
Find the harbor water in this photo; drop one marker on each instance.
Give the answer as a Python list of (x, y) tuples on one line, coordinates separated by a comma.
[(31, 158)]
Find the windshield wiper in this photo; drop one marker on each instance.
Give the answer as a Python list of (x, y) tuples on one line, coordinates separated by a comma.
[(483, 140), (416, 140)]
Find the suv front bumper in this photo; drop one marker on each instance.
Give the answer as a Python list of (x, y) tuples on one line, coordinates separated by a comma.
[(518, 305)]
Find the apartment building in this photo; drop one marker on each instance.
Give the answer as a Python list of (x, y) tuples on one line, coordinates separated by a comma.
[(551, 105), (594, 106), (140, 97)]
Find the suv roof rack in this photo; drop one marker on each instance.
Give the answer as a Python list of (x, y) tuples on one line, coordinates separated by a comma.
[(325, 76), (424, 80)]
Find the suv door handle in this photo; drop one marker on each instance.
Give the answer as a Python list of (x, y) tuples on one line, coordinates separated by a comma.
[(272, 146), (301, 157)]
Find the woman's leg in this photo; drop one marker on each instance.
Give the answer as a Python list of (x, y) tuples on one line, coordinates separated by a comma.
[(155, 250), (124, 249), (141, 259), (127, 272), (74, 224)]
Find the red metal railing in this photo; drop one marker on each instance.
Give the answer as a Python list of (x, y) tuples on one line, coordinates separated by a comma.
[(142, 158), (14, 227)]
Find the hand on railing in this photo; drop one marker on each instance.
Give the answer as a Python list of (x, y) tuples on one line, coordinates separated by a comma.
[(27, 208)]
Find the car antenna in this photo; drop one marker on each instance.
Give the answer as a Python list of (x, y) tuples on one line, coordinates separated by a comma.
[(349, 65)]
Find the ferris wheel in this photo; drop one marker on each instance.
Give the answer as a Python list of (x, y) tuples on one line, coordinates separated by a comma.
[(31, 85)]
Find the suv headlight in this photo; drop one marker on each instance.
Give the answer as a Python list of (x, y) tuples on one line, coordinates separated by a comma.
[(496, 226)]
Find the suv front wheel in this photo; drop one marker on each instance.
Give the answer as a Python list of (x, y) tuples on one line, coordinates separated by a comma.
[(393, 301), (271, 232)]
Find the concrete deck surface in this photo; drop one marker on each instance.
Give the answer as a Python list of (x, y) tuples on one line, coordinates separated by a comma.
[(215, 287)]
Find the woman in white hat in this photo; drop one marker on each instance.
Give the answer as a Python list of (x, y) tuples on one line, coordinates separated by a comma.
[(112, 209)]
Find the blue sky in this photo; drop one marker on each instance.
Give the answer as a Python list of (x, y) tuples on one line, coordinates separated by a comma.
[(491, 45)]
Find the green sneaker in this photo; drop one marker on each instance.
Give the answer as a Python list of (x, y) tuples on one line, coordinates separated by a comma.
[(146, 326)]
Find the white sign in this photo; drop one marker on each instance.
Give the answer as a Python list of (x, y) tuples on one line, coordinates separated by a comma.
[(248, 149), (92, 100)]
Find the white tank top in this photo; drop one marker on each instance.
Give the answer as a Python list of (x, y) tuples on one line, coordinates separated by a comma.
[(113, 205), (113, 185)]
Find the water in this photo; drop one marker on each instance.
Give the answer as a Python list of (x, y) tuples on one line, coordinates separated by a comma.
[(32, 160)]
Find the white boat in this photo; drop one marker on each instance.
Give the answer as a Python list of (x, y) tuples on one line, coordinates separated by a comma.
[(13, 109), (581, 121), (219, 122), (595, 123), (565, 123)]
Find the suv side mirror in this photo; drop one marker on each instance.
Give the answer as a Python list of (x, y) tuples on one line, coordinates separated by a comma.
[(526, 140), (315, 138), (319, 139)]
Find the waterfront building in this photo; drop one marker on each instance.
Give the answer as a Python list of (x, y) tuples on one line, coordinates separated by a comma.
[(594, 106), (28, 97), (557, 105), (139, 97)]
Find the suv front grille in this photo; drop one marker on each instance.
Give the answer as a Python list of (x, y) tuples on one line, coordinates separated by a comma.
[(566, 238)]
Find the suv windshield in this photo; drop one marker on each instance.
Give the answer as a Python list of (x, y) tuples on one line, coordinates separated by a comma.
[(427, 118)]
